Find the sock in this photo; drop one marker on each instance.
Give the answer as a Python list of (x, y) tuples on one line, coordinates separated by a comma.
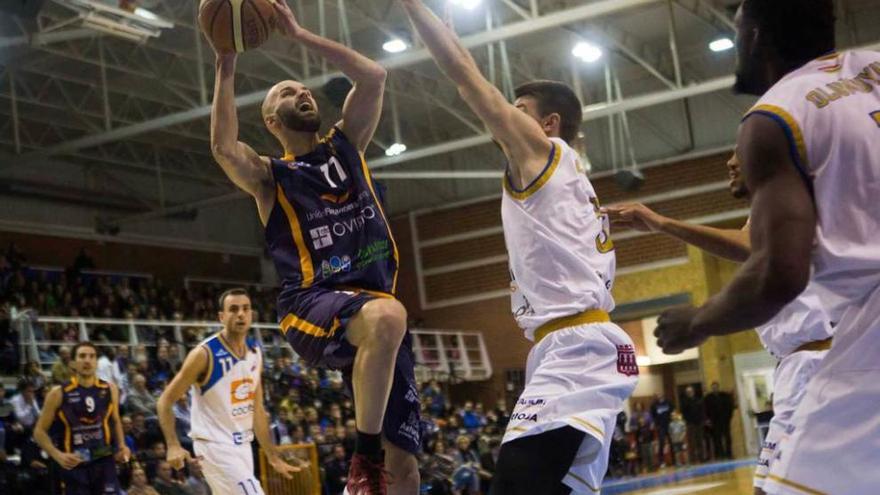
[(369, 445)]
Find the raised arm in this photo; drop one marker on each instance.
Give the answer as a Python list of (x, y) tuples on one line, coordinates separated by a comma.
[(244, 167), (782, 229), (41, 431), (522, 139), (194, 367), (731, 244), (363, 106)]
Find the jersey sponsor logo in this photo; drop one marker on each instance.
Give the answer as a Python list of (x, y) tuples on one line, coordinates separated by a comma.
[(335, 265), (221, 353), (87, 436), (321, 237), (362, 199), (240, 437), (242, 391), (374, 252), (524, 417), (626, 360)]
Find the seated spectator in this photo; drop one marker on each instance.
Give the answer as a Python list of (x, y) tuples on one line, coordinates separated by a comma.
[(139, 485), (165, 482), (34, 375), (107, 370), (195, 483), (471, 419), (434, 398), (128, 431), (466, 477), (61, 371), (182, 420), (336, 471), (25, 407), (139, 398)]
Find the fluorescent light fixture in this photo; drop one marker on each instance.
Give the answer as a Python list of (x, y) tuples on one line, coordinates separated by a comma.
[(146, 14), (587, 52), (721, 44), (395, 149), (466, 4), (395, 45), (643, 361)]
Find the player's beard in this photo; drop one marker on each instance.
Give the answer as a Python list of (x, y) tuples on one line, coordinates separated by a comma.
[(748, 77), (292, 119)]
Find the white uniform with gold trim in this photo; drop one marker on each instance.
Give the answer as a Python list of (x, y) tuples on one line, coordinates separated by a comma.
[(830, 111), (801, 322), (223, 408), (562, 265)]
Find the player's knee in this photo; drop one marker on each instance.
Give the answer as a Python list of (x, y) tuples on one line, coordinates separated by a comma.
[(389, 321)]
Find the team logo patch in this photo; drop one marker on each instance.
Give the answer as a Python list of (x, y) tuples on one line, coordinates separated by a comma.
[(626, 360), (243, 390)]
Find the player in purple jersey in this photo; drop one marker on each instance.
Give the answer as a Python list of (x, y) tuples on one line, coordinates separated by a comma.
[(328, 235), (85, 406)]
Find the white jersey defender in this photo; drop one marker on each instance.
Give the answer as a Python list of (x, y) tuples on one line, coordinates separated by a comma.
[(799, 336), (223, 406), (582, 367), (830, 111)]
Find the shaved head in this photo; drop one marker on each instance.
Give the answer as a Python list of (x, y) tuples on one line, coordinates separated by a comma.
[(290, 105)]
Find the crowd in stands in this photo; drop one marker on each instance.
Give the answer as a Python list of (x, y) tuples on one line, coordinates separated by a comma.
[(659, 435), (461, 442)]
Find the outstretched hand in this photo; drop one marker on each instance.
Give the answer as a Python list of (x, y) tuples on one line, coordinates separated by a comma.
[(635, 216), (285, 21)]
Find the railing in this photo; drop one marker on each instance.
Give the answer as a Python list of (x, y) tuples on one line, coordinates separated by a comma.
[(446, 355)]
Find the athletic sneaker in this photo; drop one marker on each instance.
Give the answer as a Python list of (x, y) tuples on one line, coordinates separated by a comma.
[(366, 477)]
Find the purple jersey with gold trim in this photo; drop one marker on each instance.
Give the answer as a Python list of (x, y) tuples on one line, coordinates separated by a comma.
[(328, 227), (85, 414)]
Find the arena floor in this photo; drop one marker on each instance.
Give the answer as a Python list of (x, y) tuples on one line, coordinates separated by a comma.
[(724, 478)]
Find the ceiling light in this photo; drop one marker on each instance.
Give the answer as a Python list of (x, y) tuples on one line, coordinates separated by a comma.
[(587, 52), (395, 45), (395, 149), (721, 45), (146, 14), (466, 4)]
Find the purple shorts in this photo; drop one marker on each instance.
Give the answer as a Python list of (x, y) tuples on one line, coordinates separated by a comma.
[(96, 477), (313, 321)]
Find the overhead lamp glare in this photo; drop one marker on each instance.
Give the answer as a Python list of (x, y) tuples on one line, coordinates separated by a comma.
[(395, 45), (466, 4), (395, 149), (587, 52), (720, 45)]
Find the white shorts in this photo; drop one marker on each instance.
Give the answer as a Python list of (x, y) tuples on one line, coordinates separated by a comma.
[(833, 444), (579, 377), (229, 469), (789, 387)]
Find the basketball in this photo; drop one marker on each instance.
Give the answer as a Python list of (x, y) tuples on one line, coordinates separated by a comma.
[(236, 25)]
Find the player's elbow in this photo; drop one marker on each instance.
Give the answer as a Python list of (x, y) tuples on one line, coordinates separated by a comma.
[(378, 74), (222, 152)]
